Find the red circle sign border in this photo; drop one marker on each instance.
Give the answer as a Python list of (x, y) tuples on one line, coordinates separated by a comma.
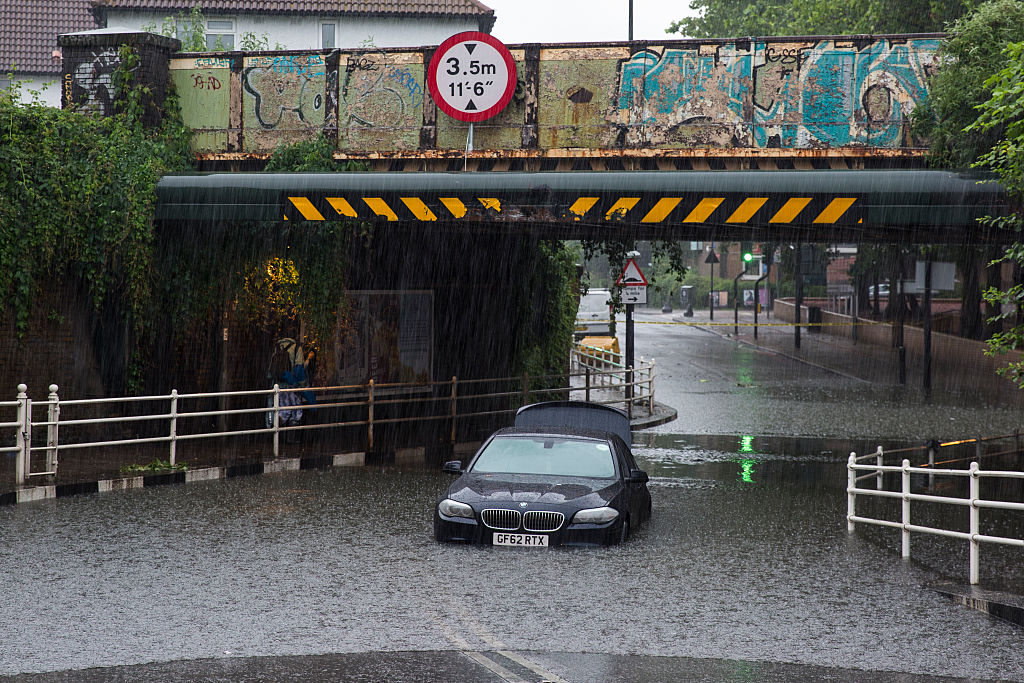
[(435, 64)]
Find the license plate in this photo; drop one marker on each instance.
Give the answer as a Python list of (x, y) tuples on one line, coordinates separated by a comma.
[(521, 540)]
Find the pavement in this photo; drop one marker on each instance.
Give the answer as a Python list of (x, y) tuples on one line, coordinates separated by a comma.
[(859, 360)]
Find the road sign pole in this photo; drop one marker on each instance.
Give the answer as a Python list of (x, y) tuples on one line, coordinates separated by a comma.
[(629, 352)]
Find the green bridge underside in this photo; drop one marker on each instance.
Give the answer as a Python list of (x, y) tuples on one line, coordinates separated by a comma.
[(911, 206)]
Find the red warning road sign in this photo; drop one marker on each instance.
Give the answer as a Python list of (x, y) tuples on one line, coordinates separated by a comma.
[(631, 276), (633, 283)]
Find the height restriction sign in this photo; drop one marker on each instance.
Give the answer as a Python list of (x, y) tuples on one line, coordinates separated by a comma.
[(472, 76)]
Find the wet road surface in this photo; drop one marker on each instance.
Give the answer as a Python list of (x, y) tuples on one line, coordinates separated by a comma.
[(342, 562), (746, 572)]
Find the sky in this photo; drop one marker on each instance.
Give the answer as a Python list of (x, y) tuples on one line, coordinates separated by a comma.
[(576, 21)]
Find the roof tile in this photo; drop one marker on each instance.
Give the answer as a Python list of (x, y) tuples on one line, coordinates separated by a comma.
[(29, 30)]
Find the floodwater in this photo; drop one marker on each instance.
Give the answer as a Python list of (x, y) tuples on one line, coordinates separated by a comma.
[(746, 558), (745, 572)]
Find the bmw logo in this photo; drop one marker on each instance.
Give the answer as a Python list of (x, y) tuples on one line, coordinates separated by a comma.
[(522, 505)]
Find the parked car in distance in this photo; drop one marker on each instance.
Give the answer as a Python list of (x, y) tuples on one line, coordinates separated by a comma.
[(562, 475), (883, 291), (594, 316)]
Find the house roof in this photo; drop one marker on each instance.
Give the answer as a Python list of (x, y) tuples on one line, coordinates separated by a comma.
[(29, 29), (420, 8)]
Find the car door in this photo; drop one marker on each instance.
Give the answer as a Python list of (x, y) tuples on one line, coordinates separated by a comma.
[(638, 499)]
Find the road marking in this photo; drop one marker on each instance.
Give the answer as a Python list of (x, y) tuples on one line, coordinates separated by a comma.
[(489, 663), (535, 668), (501, 648)]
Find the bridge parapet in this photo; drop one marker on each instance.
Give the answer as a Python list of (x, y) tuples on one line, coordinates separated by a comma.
[(682, 104), (797, 102)]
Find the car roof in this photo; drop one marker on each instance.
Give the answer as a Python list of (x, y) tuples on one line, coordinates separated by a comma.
[(566, 415)]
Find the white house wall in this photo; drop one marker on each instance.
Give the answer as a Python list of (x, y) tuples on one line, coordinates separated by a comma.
[(303, 32)]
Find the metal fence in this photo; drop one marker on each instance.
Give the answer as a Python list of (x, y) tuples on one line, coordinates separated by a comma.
[(945, 462), (169, 420)]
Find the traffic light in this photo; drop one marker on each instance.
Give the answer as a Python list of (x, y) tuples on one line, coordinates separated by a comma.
[(747, 252)]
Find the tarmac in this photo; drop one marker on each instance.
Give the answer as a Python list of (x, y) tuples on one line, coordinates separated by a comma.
[(867, 363), (858, 360)]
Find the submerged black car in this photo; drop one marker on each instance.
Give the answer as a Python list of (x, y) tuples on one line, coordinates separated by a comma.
[(563, 475)]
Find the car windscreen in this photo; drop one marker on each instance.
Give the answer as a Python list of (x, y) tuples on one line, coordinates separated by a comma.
[(594, 303), (546, 455)]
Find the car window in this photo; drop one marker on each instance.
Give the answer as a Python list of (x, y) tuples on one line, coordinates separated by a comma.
[(559, 456)]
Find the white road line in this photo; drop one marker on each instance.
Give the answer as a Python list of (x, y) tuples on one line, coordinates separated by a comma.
[(488, 663), (483, 634), (546, 675)]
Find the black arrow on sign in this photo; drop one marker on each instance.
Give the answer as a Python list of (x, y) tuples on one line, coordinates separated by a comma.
[(471, 106), (470, 47)]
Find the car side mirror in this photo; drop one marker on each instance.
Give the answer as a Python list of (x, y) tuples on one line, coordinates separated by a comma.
[(638, 477), (452, 467)]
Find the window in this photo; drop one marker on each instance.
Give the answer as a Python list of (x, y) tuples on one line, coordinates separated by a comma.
[(327, 38), (220, 34), (546, 455)]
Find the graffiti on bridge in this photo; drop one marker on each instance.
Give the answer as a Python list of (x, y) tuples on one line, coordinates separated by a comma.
[(827, 93), (285, 91)]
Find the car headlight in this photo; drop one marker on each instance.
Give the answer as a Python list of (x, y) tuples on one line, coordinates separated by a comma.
[(596, 516), (453, 508)]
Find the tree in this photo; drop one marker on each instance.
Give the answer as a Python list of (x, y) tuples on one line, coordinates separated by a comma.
[(1004, 111), (971, 53), (735, 18)]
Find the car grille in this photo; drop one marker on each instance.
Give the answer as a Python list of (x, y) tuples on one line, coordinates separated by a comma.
[(504, 520), (536, 520)]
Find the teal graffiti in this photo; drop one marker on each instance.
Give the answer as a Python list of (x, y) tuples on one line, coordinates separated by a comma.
[(821, 95)]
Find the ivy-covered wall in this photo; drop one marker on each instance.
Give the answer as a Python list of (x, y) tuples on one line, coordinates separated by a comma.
[(102, 301)]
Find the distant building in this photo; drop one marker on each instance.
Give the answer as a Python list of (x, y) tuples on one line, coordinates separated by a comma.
[(28, 42), (308, 24), (29, 28)]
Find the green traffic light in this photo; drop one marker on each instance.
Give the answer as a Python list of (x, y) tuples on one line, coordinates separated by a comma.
[(748, 257)]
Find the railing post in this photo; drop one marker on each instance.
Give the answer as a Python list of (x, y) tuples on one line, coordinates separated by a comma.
[(851, 491), (174, 427), (24, 437), (526, 389), (277, 420), (975, 521), (369, 418), (879, 461), (906, 508), (650, 388), (53, 418), (932, 445), (453, 411), (587, 383), (629, 392)]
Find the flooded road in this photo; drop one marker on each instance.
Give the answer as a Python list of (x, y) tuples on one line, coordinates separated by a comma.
[(737, 564), (745, 572)]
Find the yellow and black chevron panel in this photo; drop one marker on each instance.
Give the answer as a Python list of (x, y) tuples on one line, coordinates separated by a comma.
[(722, 209)]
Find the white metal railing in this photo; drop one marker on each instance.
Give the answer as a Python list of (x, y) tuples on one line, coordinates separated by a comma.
[(176, 417), (872, 467)]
